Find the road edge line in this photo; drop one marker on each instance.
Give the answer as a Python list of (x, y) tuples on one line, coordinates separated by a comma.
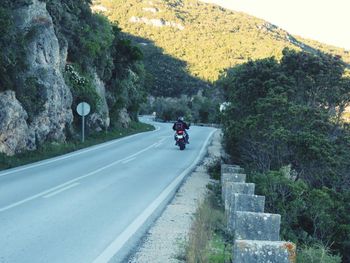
[(127, 234)]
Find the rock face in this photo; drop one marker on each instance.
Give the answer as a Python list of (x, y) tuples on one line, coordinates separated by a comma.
[(14, 131), (40, 110), (99, 120), (44, 61), (124, 118)]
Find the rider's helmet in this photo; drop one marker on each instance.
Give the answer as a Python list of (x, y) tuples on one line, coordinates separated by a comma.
[(180, 118)]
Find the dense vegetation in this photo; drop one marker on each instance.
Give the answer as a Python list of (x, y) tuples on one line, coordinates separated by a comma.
[(11, 46), (94, 45), (284, 124), (188, 37), (198, 108)]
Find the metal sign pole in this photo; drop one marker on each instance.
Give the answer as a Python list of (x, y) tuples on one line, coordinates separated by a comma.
[(83, 125), (83, 129), (83, 109)]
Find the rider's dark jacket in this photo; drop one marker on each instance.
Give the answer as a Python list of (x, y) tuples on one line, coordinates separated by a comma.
[(180, 125)]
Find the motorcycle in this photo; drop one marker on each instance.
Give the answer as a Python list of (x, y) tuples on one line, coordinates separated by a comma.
[(180, 138)]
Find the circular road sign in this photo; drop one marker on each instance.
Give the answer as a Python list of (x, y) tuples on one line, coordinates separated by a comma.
[(83, 108)]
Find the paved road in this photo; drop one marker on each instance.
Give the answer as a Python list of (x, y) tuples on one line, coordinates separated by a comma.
[(85, 206)]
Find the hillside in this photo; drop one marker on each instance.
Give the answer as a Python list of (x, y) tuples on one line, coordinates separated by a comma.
[(186, 36)]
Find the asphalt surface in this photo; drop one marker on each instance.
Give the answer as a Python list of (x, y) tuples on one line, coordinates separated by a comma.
[(87, 205)]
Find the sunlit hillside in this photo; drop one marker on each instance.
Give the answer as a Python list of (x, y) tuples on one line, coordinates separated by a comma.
[(206, 37)]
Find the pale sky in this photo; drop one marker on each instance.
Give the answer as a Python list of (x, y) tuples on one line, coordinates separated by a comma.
[(327, 21)]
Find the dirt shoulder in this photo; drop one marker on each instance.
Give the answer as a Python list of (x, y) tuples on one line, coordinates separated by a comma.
[(164, 240)]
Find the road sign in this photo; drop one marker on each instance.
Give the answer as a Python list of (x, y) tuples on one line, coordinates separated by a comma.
[(83, 108)]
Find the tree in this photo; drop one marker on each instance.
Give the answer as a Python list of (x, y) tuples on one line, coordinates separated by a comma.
[(284, 113), (287, 113)]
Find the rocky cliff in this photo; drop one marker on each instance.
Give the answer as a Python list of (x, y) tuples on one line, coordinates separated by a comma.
[(44, 60), (40, 108)]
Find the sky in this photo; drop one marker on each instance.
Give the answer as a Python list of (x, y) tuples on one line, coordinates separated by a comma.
[(327, 21)]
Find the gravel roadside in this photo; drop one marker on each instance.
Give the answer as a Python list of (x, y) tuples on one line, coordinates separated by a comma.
[(164, 241)]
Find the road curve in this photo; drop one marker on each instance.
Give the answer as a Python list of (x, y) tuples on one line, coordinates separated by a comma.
[(92, 205)]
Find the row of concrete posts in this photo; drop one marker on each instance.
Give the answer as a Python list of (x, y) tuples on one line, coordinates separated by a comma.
[(256, 234)]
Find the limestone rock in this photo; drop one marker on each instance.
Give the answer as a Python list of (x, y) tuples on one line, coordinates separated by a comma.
[(45, 59), (14, 131), (124, 118), (99, 120)]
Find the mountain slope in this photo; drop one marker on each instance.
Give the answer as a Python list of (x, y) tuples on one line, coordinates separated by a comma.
[(204, 37)]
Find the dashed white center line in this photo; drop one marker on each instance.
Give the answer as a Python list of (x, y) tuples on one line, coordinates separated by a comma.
[(61, 190), (73, 182), (128, 160)]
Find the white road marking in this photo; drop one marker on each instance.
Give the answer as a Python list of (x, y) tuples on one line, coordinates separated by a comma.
[(61, 190), (120, 241), (32, 197), (128, 160), (69, 155), (161, 141), (157, 145), (74, 180)]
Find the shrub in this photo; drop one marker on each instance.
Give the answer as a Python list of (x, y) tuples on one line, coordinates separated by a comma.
[(207, 239), (317, 254), (81, 87), (32, 97)]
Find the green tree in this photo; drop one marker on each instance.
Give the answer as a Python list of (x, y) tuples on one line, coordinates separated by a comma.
[(281, 114), (287, 113)]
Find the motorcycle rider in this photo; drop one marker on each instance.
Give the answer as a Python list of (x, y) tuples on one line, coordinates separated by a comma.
[(181, 125)]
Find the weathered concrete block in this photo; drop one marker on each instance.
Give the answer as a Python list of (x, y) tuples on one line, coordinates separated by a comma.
[(230, 188), (233, 177), (257, 226), (229, 168), (254, 251), (243, 202)]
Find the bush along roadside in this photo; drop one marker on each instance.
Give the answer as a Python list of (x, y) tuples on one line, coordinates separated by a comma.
[(211, 241), (284, 124), (49, 150), (308, 216)]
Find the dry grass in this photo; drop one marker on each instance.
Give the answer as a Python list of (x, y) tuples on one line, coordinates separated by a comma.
[(208, 241)]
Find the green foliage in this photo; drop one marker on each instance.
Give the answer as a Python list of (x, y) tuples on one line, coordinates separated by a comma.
[(285, 197), (198, 108), (11, 48), (214, 169), (308, 215), (208, 241), (89, 36), (81, 87), (198, 40), (287, 113), (127, 77), (96, 44), (316, 254), (32, 97)]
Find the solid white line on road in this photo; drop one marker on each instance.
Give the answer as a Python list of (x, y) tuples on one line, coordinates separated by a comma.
[(73, 180), (120, 241), (69, 155), (128, 160), (61, 190)]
